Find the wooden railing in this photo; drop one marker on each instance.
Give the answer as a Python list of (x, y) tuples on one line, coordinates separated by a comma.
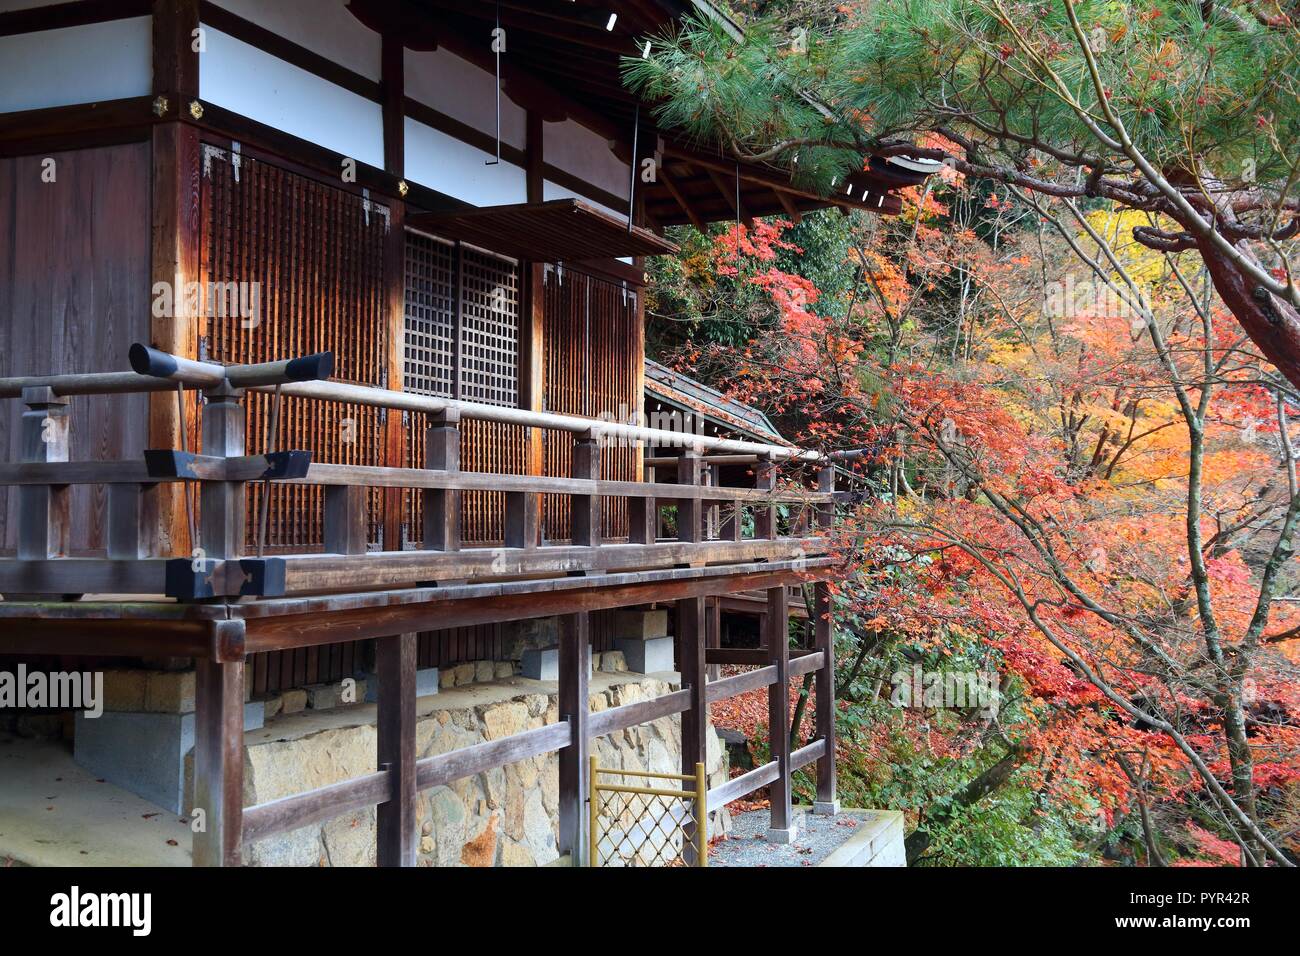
[(709, 517)]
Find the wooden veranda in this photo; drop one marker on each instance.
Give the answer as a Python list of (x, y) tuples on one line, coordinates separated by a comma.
[(230, 598)]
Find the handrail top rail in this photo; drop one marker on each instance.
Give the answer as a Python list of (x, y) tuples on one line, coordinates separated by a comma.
[(306, 377)]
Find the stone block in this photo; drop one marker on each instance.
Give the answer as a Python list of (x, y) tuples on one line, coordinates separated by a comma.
[(254, 715), (543, 663), (143, 752), (782, 836), (651, 656), (324, 696), (484, 671), (613, 662), (293, 701), (125, 689), (503, 669), (464, 674), (447, 678), (171, 692), (427, 682), (272, 706), (641, 625)]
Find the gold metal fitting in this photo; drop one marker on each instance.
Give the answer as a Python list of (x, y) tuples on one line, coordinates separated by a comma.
[(402, 188), (196, 109), (160, 105)]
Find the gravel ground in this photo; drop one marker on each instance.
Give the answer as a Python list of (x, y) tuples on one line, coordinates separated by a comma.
[(817, 837)]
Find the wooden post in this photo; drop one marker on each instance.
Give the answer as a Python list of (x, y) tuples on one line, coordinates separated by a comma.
[(776, 635), (44, 521), (585, 509), (695, 719), (826, 484), (346, 519), (521, 519), (219, 761), (643, 515), (713, 514), (573, 693), (395, 824), (442, 505), (130, 530), (689, 514), (221, 503), (391, 73), (823, 628), (532, 314), (733, 519), (176, 214), (765, 480), (713, 631)]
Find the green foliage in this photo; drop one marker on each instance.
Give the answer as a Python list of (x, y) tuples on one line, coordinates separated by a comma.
[(1192, 92)]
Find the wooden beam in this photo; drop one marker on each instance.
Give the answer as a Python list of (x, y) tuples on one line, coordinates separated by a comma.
[(575, 641), (71, 14), (219, 762), (807, 754), (442, 769), (680, 197), (740, 683), (314, 806), (395, 728), (643, 711), (728, 190), (788, 205), (746, 783)]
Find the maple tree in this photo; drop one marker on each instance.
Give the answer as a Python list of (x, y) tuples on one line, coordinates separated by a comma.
[(1077, 473), (1184, 112)]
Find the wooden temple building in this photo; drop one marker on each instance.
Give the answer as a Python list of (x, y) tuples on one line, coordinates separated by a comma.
[(321, 344)]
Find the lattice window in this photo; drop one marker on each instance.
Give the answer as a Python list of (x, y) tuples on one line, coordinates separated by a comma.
[(462, 322), (489, 329), (430, 326), (462, 341)]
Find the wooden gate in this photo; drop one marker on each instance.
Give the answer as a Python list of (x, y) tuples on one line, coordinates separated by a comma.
[(649, 825)]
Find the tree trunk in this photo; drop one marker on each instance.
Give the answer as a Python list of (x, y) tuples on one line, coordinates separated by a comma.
[(1273, 325), (918, 841)]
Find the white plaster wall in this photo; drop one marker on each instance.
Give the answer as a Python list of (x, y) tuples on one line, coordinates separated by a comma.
[(444, 163), (242, 78), (456, 87), (572, 147), (92, 63), (322, 26)]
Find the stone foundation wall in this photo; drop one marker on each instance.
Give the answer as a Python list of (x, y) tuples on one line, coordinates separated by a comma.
[(506, 817)]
